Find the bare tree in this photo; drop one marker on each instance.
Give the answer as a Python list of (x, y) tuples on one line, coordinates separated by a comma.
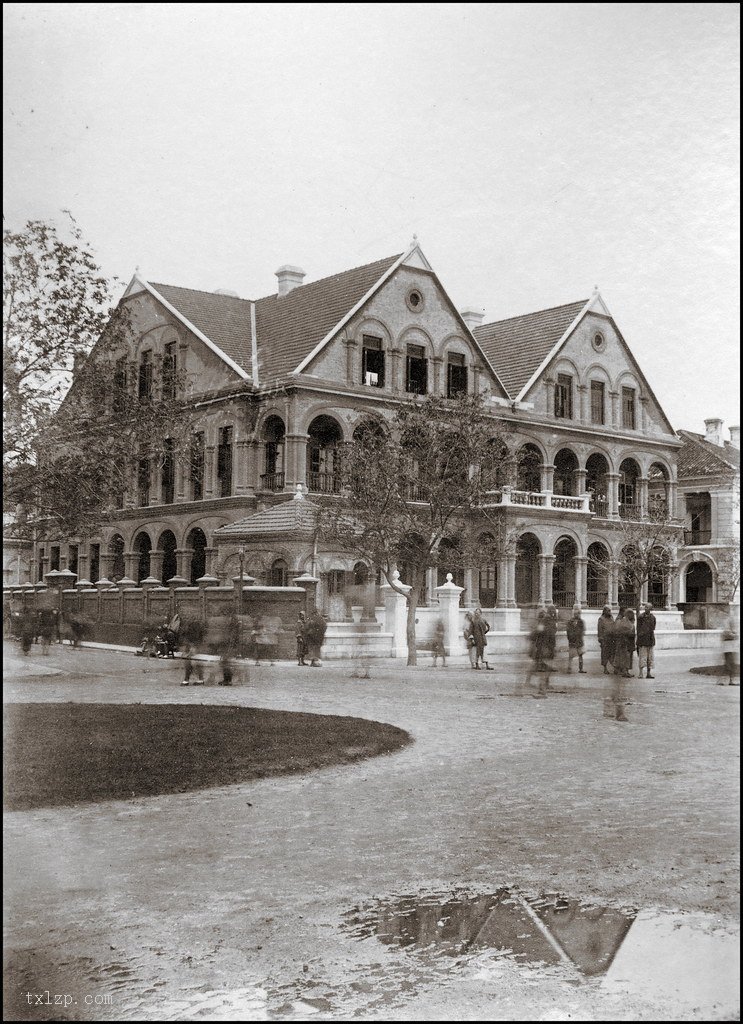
[(412, 483)]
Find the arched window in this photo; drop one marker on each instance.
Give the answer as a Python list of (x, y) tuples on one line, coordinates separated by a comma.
[(597, 484), (361, 574), (167, 544), (143, 546), (597, 576), (528, 549), (116, 548), (566, 465), (629, 496), (197, 542), (563, 573), (278, 574), (529, 468), (658, 491), (324, 456), (272, 478), (698, 583)]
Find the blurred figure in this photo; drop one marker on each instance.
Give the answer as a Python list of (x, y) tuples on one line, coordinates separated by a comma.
[(576, 630), (263, 640), (316, 627), (46, 628), (228, 649), (541, 645), (606, 639), (27, 630), (439, 650), (469, 638), (192, 634), (730, 651), (624, 643), (646, 640), (300, 631)]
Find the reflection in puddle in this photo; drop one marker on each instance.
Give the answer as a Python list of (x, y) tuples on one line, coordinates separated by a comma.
[(547, 929)]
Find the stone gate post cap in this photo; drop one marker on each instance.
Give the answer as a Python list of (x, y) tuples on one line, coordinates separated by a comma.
[(104, 583), (306, 578), (247, 580)]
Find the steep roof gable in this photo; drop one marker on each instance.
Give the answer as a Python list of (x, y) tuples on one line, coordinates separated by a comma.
[(291, 327), (699, 457), (517, 347), (294, 517)]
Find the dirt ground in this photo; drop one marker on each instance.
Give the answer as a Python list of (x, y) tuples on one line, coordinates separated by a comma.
[(230, 903)]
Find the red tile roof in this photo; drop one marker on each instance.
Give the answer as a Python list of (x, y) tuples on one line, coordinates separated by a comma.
[(288, 327), (517, 347), (700, 457), (224, 319)]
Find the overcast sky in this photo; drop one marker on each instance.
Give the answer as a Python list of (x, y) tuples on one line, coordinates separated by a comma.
[(536, 150)]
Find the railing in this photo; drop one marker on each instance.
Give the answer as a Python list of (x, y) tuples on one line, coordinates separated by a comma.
[(627, 599), (600, 507), (415, 492), (324, 483), (563, 598), (697, 536), (597, 598), (533, 498), (272, 482), (658, 601), (628, 511), (562, 501)]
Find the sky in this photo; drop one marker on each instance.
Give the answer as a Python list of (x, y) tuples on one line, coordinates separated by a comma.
[(536, 150)]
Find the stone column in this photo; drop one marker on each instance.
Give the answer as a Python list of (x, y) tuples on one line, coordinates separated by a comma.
[(612, 495), (241, 465), (131, 564), (309, 584), (183, 562), (181, 470), (438, 388), (155, 483), (614, 585), (581, 580), (351, 376), (502, 583), (211, 561), (449, 595), (644, 593), (295, 456), (714, 502), (511, 581), (582, 403), (394, 369), (672, 498), (672, 586), (580, 481), (642, 494), (253, 466), (548, 478), (643, 403), (82, 566), (210, 471), (156, 565), (546, 563), (396, 614), (106, 565), (472, 587)]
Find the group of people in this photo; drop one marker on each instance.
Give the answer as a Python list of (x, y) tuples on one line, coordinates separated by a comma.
[(619, 639), (45, 626), (310, 634)]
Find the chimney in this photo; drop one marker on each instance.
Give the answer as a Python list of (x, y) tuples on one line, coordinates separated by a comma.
[(735, 437), (713, 429), (289, 278), (472, 316)]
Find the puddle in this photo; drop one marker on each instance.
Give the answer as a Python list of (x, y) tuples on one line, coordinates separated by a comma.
[(684, 961), (548, 929)]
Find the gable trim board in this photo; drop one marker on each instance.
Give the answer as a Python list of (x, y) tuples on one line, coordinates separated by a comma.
[(406, 259), (563, 340), (191, 327)]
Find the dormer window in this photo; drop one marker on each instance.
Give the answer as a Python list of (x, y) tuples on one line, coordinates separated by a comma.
[(564, 397), (456, 375), (372, 362), (416, 378)]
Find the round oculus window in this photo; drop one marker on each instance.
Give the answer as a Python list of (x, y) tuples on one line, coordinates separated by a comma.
[(599, 342), (414, 300)]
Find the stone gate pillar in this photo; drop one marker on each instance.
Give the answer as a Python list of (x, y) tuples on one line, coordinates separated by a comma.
[(396, 614), (449, 594)]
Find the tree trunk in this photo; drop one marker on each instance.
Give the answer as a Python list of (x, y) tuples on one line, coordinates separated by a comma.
[(412, 609)]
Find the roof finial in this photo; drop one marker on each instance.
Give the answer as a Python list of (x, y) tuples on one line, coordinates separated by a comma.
[(595, 289), (414, 242), (299, 495)]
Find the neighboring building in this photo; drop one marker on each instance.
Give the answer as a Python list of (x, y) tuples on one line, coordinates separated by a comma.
[(282, 382), (709, 491), (17, 555)]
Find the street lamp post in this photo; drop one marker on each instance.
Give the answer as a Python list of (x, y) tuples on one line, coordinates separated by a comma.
[(242, 565)]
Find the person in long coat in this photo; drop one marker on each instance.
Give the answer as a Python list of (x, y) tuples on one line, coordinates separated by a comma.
[(624, 642), (606, 638), (479, 628), (576, 630), (646, 640), (315, 633), (540, 646)]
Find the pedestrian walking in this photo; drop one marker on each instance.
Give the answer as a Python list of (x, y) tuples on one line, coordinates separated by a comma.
[(606, 639), (192, 635), (624, 643), (540, 645), (438, 648), (646, 641), (315, 633), (469, 638), (730, 652), (27, 630), (300, 630), (46, 628), (263, 640), (576, 630), (480, 629)]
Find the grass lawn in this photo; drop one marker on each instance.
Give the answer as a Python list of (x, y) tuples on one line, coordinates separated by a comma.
[(71, 753)]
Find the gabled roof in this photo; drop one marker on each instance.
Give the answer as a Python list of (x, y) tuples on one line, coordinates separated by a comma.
[(517, 347), (293, 517), (290, 327), (699, 457), (224, 319)]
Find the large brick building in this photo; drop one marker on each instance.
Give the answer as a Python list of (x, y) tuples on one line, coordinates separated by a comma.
[(280, 383)]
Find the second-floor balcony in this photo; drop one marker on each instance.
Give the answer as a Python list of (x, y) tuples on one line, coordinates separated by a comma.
[(272, 482), (324, 483), (697, 536), (506, 496)]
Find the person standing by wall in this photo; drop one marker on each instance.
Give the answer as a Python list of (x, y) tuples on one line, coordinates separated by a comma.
[(316, 627), (439, 650), (469, 638), (479, 631), (646, 640), (300, 631)]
